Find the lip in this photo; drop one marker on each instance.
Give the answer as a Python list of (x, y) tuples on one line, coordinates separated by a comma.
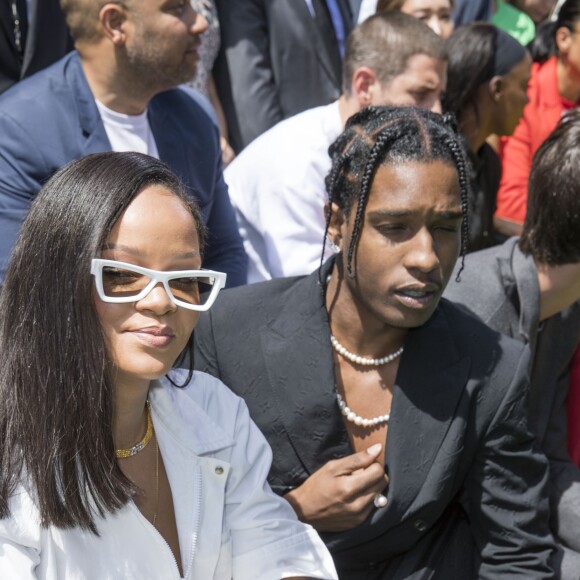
[(157, 336), (419, 296)]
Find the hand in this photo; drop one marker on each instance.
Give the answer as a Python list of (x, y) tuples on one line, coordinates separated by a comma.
[(339, 496)]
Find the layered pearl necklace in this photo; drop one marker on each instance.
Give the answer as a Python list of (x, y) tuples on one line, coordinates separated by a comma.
[(348, 413), (361, 360)]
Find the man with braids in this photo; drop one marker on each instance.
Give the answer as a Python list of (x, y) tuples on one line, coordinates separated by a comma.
[(119, 91), (397, 421), (277, 183)]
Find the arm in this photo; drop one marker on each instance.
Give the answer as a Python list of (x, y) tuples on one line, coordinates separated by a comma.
[(20, 539), (225, 251), (246, 45), (227, 152), (516, 161), (507, 499), (268, 541), (22, 167)]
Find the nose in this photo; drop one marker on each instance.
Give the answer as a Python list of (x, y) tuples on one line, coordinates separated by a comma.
[(199, 21), (421, 254), (437, 108), (434, 24), (157, 301)]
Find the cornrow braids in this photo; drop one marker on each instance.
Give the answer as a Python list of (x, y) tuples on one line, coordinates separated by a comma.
[(382, 135)]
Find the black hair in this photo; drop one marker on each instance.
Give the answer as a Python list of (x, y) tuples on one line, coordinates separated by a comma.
[(380, 135), (56, 389), (544, 46), (551, 232)]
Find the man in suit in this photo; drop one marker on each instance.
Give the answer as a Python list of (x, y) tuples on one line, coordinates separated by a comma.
[(117, 92), (278, 58), (529, 289), (334, 364), (30, 39), (277, 183)]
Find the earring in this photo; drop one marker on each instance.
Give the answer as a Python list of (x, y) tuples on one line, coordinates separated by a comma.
[(333, 246)]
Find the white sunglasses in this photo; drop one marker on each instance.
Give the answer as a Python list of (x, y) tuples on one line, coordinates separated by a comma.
[(120, 282)]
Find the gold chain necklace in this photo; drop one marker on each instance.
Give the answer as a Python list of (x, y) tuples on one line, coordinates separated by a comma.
[(123, 453)]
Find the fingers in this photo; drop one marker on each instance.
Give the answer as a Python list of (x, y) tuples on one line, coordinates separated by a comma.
[(351, 463)]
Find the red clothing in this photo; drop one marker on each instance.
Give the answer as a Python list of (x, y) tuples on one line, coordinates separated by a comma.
[(573, 404), (541, 115)]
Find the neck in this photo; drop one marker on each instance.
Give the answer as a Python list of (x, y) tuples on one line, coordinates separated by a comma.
[(568, 83), (116, 90), (355, 327), (347, 107), (559, 287), (129, 419)]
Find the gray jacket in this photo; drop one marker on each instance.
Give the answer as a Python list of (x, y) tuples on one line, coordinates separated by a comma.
[(500, 285)]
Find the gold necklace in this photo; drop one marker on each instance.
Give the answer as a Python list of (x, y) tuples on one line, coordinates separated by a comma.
[(123, 453)]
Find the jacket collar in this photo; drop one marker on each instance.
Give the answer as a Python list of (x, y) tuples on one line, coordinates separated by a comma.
[(185, 419)]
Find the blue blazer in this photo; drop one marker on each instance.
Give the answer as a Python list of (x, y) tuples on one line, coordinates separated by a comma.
[(51, 119)]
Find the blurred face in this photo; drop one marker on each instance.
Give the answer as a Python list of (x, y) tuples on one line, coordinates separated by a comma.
[(435, 13), (144, 338), (513, 97), (420, 85), (163, 41), (408, 245), (537, 10)]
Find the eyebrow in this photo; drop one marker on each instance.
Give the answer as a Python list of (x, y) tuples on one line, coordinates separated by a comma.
[(139, 254), (383, 214)]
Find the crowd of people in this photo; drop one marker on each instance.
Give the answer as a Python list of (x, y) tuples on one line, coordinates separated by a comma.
[(368, 211)]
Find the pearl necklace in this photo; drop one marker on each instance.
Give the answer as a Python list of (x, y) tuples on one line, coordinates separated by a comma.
[(357, 419), (361, 360)]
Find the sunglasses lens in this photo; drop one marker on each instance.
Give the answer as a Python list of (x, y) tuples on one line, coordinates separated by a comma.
[(192, 290), (121, 282)]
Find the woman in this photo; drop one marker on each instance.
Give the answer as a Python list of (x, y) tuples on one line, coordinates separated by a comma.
[(108, 470), (487, 78), (554, 89), (435, 13), (398, 422)]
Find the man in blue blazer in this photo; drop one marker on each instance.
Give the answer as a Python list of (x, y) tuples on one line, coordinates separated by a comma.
[(118, 92)]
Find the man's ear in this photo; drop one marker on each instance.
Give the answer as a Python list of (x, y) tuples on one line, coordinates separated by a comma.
[(336, 227), (112, 18), (364, 85), (496, 86), (563, 39)]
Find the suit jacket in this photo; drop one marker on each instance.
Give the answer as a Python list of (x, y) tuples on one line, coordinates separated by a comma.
[(457, 430), (51, 119), (500, 285), (47, 41), (273, 64)]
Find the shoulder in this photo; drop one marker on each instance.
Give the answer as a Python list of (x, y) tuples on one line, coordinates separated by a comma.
[(186, 103), (252, 305)]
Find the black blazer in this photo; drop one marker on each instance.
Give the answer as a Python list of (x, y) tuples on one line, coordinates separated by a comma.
[(272, 64), (47, 41), (457, 433)]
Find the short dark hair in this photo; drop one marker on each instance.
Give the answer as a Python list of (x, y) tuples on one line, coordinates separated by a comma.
[(384, 43), (551, 232), (392, 5), (471, 50), (544, 44), (56, 392), (382, 135)]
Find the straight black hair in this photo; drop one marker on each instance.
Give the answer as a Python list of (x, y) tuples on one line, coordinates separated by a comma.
[(56, 391)]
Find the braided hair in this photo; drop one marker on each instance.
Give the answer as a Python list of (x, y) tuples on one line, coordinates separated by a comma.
[(382, 135)]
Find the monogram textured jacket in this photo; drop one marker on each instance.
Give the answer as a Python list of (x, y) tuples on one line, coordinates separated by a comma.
[(465, 477)]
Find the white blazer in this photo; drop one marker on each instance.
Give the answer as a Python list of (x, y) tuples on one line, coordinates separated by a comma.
[(230, 524)]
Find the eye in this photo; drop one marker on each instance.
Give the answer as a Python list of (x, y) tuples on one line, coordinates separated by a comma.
[(117, 276)]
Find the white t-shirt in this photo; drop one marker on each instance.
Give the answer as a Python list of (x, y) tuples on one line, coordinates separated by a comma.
[(128, 132)]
